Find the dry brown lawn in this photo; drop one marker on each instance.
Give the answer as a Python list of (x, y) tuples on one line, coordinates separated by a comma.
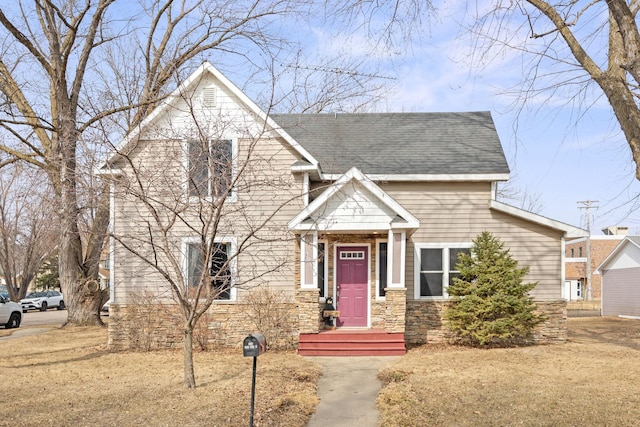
[(65, 377), (593, 380)]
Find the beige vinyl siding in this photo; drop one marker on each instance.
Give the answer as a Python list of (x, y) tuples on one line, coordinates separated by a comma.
[(267, 190), (458, 212)]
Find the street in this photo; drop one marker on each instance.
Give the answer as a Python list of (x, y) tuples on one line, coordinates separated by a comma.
[(40, 318)]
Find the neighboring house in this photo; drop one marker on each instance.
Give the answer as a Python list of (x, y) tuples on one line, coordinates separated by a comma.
[(104, 275), (621, 279), (575, 285), (371, 209)]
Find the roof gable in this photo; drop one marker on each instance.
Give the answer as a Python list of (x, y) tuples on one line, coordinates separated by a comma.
[(353, 202), (211, 99), (627, 253), (444, 146)]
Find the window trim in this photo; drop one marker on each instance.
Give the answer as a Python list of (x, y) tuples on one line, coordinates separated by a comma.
[(445, 247), (233, 196), (326, 266), (233, 267), (378, 241)]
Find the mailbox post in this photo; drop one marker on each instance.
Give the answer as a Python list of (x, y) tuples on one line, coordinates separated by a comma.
[(253, 346)]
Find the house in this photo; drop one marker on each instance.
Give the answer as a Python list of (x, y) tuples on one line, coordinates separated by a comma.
[(368, 209), (621, 279), (600, 246)]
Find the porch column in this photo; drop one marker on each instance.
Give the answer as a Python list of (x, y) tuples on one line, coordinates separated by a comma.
[(396, 292), (307, 301), (396, 258), (309, 319), (395, 310), (308, 260)]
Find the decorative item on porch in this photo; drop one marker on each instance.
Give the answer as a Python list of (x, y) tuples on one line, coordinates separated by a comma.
[(329, 313)]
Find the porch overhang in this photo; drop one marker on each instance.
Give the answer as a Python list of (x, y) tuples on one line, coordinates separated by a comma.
[(354, 203)]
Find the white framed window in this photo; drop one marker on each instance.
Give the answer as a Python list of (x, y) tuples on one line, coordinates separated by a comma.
[(222, 269), (352, 255), (322, 268), (210, 167), (382, 267), (435, 268)]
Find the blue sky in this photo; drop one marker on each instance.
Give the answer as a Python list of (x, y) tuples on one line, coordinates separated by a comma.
[(557, 152), (552, 154)]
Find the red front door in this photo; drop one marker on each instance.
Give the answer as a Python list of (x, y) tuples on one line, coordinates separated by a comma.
[(351, 285)]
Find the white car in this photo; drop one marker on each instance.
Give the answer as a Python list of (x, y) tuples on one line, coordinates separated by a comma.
[(42, 301), (10, 315)]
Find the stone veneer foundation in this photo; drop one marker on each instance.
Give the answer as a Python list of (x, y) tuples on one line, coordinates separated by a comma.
[(148, 327), (159, 326), (426, 324)]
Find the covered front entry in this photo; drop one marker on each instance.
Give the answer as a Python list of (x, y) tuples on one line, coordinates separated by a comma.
[(352, 286), (352, 251)]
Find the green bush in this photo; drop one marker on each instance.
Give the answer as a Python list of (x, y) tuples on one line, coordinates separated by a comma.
[(490, 304)]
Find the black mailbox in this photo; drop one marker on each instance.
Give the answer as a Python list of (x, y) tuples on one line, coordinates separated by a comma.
[(254, 345)]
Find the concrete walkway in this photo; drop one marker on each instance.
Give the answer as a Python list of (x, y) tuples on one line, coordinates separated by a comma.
[(348, 389)]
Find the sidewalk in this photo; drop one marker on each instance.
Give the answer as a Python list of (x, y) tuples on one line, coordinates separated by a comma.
[(348, 389), (23, 332)]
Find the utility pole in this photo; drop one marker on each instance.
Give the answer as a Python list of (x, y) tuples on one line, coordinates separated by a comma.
[(587, 205)]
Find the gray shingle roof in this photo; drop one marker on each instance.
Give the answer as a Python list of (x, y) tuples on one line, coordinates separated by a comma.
[(400, 143)]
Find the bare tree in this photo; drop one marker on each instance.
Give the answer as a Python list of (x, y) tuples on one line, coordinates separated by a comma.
[(575, 49), (28, 231), (208, 219), (520, 197), (59, 92)]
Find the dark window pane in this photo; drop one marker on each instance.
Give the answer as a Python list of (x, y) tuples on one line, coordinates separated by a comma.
[(221, 155), (431, 260), (198, 172), (453, 256), (321, 261), (431, 284), (451, 276), (382, 267), (195, 264), (220, 271)]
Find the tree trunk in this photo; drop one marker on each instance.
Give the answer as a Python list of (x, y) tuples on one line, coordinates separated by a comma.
[(189, 373), (81, 293)]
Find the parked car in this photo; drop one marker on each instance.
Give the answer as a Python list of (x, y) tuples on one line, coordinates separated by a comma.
[(42, 301), (10, 316), (104, 310)]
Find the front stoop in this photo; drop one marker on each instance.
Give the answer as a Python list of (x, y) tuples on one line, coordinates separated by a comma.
[(343, 342)]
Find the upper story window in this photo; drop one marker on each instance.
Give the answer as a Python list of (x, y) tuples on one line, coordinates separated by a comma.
[(436, 267), (580, 251), (209, 167)]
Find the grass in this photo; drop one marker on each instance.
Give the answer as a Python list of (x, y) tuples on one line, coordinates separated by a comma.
[(592, 380), (66, 377)]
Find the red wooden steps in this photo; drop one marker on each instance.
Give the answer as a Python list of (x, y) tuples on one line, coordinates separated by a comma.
[(352, 343)]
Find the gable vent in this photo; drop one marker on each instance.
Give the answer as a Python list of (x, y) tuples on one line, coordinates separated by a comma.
[(209, 97)]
